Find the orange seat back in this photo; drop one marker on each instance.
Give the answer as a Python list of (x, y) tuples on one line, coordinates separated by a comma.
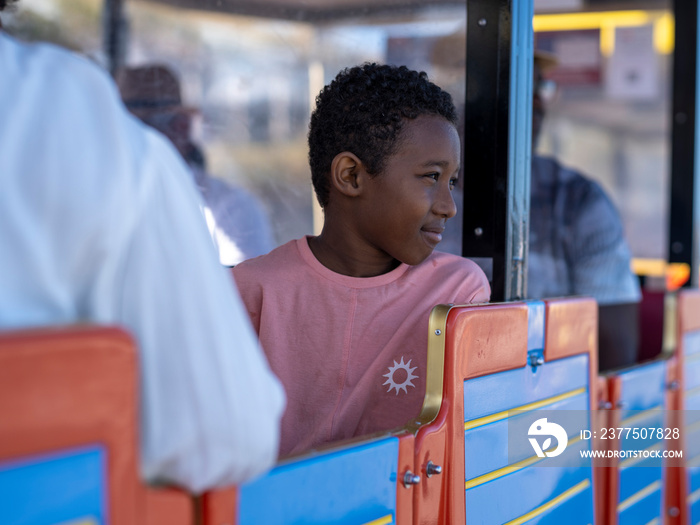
[(72, 389)]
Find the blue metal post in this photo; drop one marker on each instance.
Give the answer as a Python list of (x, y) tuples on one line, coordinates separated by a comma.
[(497, 140), (519, 148)]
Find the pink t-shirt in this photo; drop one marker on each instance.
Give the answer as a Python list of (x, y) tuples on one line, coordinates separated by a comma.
[(350, 351)]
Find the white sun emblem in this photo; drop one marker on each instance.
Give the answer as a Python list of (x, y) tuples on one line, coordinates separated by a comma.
[(406, 382)]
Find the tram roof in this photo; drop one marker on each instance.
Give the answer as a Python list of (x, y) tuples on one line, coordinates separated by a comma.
[(329, 10), (306, 10)]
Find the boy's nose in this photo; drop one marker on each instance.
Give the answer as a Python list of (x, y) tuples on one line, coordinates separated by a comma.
[(445, 204)]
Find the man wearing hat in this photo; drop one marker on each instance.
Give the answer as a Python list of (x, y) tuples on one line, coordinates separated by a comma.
[(152, 94), (238, 224), (577, 244)]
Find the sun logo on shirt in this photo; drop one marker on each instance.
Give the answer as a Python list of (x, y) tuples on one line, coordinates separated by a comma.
[(404, 369)]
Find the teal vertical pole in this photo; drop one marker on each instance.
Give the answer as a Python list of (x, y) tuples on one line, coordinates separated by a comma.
[(694, 266), (519, 149)]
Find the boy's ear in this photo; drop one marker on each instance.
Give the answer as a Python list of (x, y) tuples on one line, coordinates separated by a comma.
[(345, 171)]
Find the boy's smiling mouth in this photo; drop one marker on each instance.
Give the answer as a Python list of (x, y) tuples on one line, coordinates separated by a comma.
[(433, 234)]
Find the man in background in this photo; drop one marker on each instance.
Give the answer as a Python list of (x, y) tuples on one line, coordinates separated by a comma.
[(238, 223), (577, 244)]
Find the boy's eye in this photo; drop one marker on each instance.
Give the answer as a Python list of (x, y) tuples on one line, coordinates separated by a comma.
[(453, 183), (434, 176)]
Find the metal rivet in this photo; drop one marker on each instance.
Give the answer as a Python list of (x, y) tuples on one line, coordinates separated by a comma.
[(478, 232), (673, 386), (482, 22), (431, 469), (604, 405), (409, 478), (438, 331), (674, 512), (536, 360), (677, 247)]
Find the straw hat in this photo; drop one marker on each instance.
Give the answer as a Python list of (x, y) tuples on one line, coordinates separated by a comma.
[(150, 89)]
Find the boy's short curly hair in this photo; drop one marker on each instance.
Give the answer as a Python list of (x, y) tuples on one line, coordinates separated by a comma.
[(363, 111)]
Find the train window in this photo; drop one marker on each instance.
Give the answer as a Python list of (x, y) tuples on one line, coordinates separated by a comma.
[(608, 115), (248, 73), (248, 76), (74, 25)]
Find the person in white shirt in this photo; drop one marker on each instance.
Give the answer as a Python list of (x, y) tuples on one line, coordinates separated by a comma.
[(100, 221)]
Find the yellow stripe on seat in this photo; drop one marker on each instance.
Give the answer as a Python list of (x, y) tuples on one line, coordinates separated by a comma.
[(639, 496), (631, 421), (632, 461), (693, 497), (692, 391), (693, 462), (389, 518), (692, 357), (561, 498), (692, 428), (474, 423), (81, 521), (504, 471)]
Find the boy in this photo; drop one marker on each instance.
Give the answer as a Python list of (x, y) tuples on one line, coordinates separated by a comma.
[(343, 317)]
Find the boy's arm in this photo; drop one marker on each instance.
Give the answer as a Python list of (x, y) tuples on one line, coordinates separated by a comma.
[(250, 291), (478, 284)]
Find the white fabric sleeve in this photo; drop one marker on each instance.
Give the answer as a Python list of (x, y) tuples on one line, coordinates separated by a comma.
[(211, 407), (104, 226)]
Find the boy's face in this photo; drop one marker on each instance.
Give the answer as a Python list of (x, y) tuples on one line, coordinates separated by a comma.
[(407, 205)]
